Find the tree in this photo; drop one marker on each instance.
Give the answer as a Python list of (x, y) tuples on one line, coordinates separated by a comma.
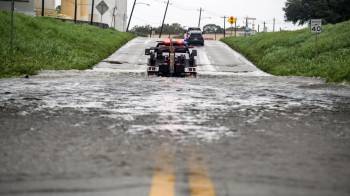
[(142, 30), (331, 11), (174, 28), (212, 28)]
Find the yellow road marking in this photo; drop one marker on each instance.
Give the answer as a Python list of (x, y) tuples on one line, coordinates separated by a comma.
[(199, 180), (163, 182)]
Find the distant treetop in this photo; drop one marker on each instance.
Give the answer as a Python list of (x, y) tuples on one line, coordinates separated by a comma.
[(331, 11)]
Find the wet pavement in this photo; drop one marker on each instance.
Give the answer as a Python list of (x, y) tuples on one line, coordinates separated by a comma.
[(233, 130)]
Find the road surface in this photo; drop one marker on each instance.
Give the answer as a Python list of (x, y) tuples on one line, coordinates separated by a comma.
[(234, 130)]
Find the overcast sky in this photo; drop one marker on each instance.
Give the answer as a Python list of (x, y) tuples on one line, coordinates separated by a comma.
[(186, 12)]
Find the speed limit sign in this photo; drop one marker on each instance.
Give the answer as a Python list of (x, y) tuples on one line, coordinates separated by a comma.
[(316, 26)]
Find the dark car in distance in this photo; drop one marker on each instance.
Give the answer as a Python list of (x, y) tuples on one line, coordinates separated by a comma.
[(195, 38)]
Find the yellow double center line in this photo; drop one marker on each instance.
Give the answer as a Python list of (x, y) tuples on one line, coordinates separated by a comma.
[(199, 180), (163, 182)]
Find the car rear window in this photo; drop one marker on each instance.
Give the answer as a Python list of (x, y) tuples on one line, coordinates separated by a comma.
[(194, 29), (197, 35)]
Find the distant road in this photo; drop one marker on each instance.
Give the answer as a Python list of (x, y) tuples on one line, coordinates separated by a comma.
[(214, 58)]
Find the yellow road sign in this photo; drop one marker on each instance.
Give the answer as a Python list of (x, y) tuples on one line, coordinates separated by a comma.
[(232, 20)]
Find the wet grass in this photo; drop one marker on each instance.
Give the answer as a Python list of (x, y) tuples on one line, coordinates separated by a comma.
[(295, 53), (46, 43)]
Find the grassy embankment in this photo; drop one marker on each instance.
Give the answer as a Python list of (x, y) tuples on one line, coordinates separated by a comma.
[(295, 54), (46, 43)]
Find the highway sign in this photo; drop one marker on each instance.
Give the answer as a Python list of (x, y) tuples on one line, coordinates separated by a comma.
[(102, 7), (232, 20), (316, 25)]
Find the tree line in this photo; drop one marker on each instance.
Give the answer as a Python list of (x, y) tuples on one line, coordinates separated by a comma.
[(177, 29), (174, 28), (330, 11)]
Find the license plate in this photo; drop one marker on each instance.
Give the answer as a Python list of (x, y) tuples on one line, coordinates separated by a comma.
[(153, 69), (190, 70)]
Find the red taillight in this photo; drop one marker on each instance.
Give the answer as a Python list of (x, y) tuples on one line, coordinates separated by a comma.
[(179, 42), (167, 41)]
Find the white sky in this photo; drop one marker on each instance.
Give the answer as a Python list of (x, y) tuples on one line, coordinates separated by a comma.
[(186, 12)]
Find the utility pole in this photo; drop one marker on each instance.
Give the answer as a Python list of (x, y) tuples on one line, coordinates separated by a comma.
[(200, 18), (132, 11), (166, 10), (274, 24), (92, 12), (224, 17), (236, 28), (42, 7), (247, 24), (264, 30), (258, 28), (75, 10)]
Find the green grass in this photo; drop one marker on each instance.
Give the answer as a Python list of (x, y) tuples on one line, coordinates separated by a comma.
[(46, 43), (295, 53)]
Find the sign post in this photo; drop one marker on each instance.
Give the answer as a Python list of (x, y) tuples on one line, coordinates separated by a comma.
[(232, 20), (236, 28), (102, 7), (316, 28)]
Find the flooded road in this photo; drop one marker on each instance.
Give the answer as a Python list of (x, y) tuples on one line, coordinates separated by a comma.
[(233, 130)]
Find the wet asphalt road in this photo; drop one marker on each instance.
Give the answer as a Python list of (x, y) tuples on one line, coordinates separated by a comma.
[(233, 131)]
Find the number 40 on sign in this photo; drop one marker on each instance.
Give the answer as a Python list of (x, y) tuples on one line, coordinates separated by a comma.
[(316, 25)]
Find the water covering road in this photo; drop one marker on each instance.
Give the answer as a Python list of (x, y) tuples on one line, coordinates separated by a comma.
[(233, 130)]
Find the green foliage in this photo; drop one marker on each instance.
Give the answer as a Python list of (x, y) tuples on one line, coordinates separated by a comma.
[(47, 43), (174, 28), (212, 28), (331, 11), (142, 31), (295, 52)]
